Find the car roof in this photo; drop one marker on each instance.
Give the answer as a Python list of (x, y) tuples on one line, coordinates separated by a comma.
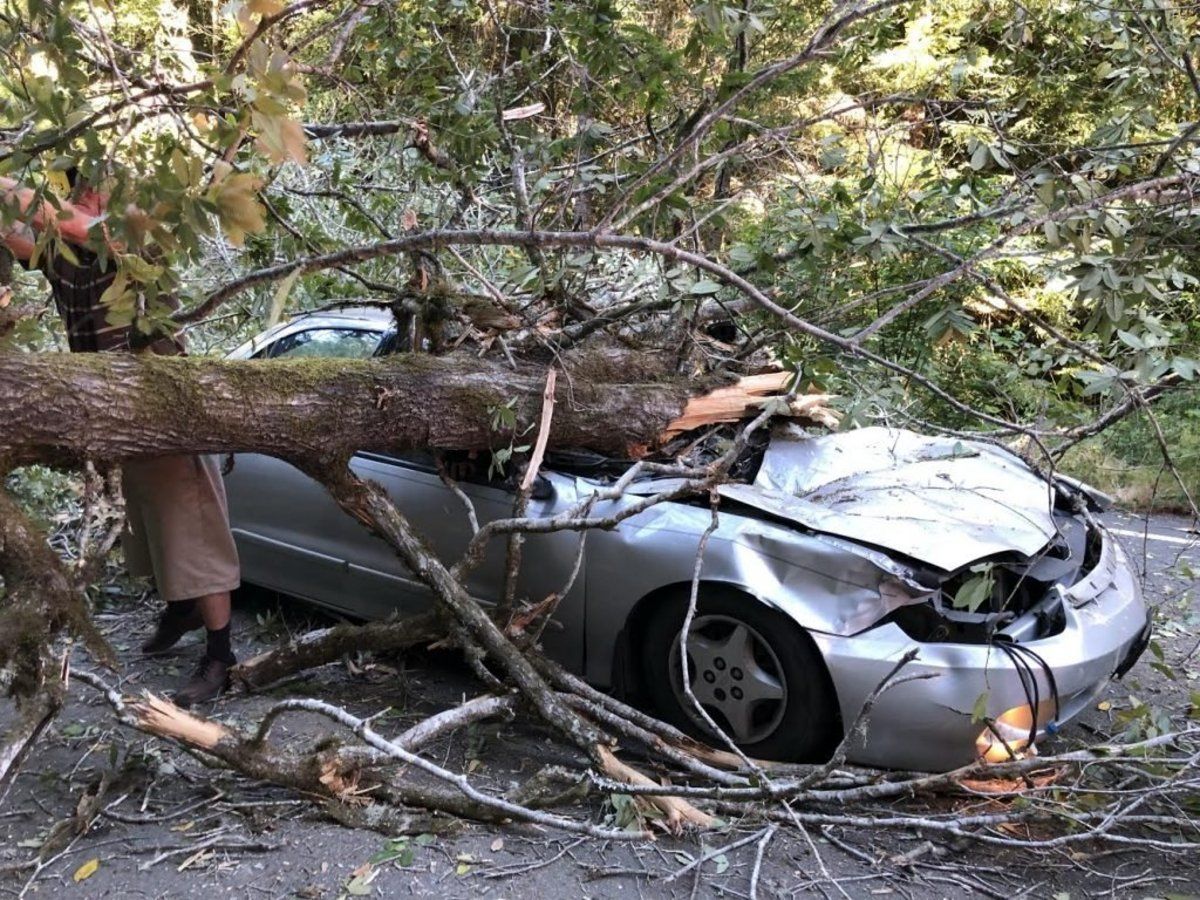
[(351, 313)]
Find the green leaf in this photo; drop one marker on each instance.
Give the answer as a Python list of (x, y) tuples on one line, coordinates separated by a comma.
[(1131, 340), (1185, 368), (1164, 670), (705, 287), (974, 592), (394, 850), (979, 710), (63, 249), (742, 255), (980, 157)]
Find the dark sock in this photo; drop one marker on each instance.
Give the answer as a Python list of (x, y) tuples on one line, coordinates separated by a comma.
[(178, 610), (219, 646)]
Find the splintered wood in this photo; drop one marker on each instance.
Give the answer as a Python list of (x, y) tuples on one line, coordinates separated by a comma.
[(160, 716), (677, 810), (737, 401)]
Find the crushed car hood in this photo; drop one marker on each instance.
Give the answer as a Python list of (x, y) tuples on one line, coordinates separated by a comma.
[(942, 501)]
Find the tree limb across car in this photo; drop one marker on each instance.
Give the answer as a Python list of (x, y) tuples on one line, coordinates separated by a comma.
[(121, 407)]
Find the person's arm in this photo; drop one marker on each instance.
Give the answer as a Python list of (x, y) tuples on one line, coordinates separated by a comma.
[(71, 223), (19, 240)]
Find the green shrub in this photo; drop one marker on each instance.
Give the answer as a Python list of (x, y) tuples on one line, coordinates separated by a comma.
[(1127, 462), (48, 496)]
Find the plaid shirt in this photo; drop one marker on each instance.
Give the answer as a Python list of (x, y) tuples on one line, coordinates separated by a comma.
[(77, 291)]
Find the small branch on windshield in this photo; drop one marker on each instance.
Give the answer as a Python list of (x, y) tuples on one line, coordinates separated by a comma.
[(512, 564)]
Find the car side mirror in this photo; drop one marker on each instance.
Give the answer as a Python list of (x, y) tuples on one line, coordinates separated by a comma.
[(543, 489)]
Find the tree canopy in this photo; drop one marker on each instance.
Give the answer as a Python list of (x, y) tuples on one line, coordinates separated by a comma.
[(995, 196)]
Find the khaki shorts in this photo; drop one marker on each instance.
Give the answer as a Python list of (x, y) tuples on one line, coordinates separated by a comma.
[(177, 526)]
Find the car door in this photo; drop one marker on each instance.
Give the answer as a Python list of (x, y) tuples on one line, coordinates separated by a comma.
[(375, 584), (381, 583), (284, 523)]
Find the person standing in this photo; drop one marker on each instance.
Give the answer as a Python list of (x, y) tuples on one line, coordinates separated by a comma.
[(177, 527)]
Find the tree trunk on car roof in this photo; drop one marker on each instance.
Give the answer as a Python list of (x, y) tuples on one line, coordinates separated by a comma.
[(66, 408)]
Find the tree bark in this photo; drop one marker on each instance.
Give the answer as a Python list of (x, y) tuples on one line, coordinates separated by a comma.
[(317, 648), (40, 598), (371, 506), (37, 599), (67, 408)]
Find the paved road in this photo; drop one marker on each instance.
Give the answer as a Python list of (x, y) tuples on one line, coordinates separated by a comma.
[(309, 857)]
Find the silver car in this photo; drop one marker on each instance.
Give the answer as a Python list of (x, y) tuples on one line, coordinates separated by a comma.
[(834, 557)]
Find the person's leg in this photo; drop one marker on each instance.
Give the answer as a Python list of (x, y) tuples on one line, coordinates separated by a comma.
[(195, 560), (215, 611), (141, 551), (212, 557), (212, 675), (179, 617)]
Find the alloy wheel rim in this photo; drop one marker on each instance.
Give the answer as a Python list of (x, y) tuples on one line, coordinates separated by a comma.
[(734, 674)]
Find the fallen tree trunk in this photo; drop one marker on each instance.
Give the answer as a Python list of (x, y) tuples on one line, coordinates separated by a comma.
[(67, 408), (317, 648), (317, 413)]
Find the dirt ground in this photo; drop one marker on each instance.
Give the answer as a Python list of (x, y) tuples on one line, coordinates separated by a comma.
[(174, 829)]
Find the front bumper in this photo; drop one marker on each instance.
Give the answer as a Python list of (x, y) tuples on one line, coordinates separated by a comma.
[(926, 724)]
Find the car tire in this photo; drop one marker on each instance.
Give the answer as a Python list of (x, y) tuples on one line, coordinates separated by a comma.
[(797, 721)]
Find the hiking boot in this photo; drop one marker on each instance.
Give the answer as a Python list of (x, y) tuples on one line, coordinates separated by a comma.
[(169, 631), (207, 683)]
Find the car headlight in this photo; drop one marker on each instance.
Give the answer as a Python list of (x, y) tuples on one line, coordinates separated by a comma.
[(1007, 737)]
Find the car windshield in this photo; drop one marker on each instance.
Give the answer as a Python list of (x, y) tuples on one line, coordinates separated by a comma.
[(343, 343)]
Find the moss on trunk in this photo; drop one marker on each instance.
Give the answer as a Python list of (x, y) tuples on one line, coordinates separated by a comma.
[(60, 408)]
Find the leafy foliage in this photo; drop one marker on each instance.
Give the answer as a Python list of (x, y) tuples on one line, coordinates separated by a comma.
[(994, 196)]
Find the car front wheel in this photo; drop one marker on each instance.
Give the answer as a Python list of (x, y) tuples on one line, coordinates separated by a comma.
[(753, 670)]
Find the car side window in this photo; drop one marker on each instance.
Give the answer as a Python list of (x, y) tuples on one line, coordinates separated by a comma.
[(326, 343)]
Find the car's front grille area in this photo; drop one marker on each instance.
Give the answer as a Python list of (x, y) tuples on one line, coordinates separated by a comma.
[(1099, 567)]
